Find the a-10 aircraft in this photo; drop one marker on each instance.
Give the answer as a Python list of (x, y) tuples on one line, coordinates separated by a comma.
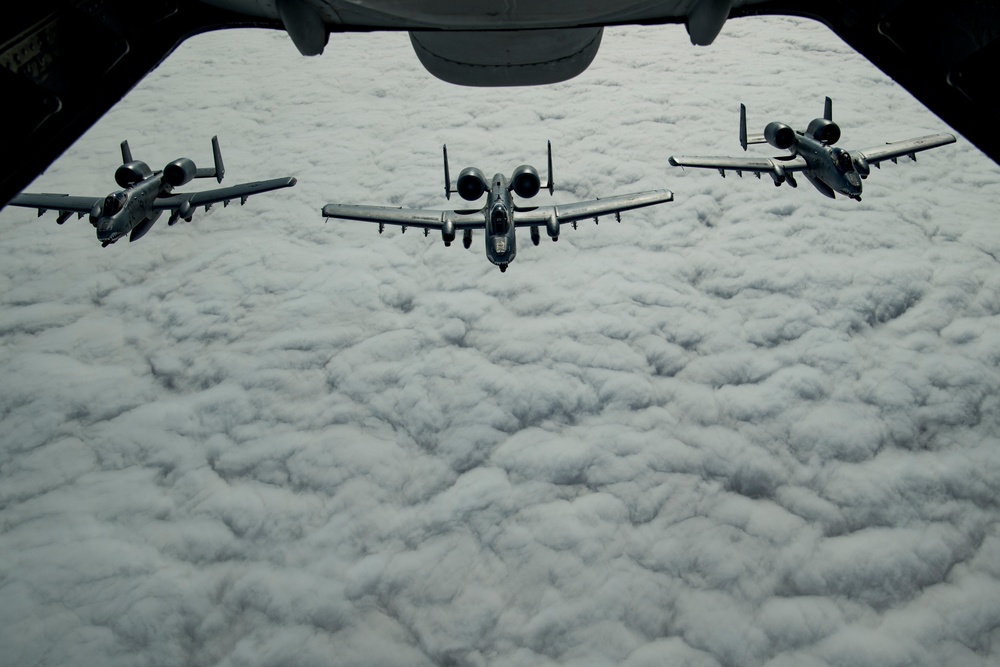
[(830, 169), (500, 216), (146, 194)]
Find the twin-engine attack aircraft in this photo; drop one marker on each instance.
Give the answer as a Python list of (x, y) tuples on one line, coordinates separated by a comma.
[(830, 169), (146, 194), (500, 216)]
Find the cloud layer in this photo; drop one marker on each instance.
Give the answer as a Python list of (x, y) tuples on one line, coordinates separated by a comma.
[(750, 427)]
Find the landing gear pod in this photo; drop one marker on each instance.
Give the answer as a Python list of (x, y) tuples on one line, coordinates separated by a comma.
[(448, 232), (552, 227), (96, 212), (467, 238), (861, 165), (778, 175)]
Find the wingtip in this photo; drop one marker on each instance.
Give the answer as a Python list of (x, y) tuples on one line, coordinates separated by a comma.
[(672, 161)]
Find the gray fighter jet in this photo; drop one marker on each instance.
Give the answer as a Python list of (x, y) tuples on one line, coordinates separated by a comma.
[(500, 216), (146, 194), (830, 169)]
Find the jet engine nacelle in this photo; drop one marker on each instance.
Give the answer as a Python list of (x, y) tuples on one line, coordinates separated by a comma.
[(131, 173), (823, 130), (525, 181), (179, 172), (779, 135), (861, 165), (552, 227), (471, 184), (448, 232)]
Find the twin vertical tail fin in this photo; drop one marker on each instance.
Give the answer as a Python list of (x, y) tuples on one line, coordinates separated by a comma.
[(447, 177), (220, 169), (828, 109), (551, 185), (743, 126), (126, 152), (747, 139)]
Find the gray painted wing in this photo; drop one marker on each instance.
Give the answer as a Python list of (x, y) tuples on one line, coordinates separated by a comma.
[(55, 202), (590, 209), (405, 217), (209, 197), (897, 149), (753, 164)]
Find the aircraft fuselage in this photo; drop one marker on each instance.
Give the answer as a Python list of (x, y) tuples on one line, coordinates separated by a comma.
[(830, 169), (130, 210), (501, 243)]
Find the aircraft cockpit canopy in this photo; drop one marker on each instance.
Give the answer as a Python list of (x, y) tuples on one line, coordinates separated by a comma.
[(843, 160), (114, 203), (498, 220)]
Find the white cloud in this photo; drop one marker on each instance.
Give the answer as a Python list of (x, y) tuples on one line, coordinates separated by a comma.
[(754, 426)]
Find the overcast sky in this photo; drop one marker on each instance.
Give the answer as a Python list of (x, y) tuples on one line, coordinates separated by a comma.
[(753, 426)]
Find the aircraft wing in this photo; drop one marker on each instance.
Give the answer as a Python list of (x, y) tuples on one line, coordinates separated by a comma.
[(406, 217), (741, 164), (525, 217), (898, 149), (208, 197), (55, 202)]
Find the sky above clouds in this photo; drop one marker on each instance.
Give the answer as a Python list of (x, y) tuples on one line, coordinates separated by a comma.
[(753, 426)]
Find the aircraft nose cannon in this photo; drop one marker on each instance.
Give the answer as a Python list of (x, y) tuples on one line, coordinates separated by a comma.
[(96, 212)]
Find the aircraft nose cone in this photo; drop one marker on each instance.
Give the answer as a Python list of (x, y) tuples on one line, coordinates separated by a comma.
[(107, 231)]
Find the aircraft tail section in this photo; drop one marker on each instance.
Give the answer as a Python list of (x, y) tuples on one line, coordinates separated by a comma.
[(126, 152), (828, 109), (746, 139), (743, 126), (551, 184), (447, 177), (219, 170)]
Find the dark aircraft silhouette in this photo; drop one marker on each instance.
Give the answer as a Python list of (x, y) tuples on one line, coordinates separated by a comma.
[(146, 194), (500, 216), (66, 62), (830, 169)]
